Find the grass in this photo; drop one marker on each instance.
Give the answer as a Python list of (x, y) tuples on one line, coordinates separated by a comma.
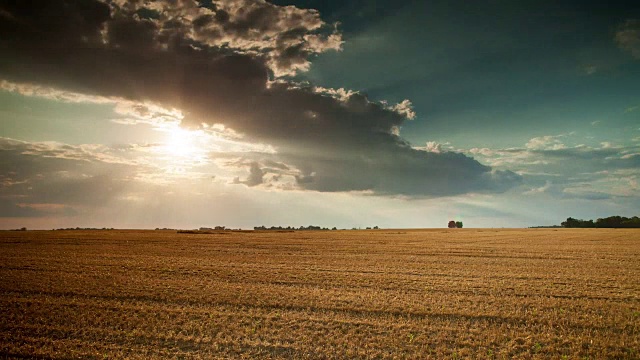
[(401, 294)]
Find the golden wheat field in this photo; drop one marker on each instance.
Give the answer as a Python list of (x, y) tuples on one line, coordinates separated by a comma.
[(385, 294)]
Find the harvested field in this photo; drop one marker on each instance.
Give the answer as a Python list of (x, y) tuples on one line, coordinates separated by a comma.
[(385, 294)]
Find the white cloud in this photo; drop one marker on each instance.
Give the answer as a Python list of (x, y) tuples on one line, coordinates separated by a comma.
[(539, 190), (482, 151), (285, 35), (551, 165), (549, 142), (133, 113), (130, 112), (83, 152), (46, 92), (431, 146), (405, 108)]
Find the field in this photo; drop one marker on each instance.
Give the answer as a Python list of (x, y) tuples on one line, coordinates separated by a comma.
[(385, 294)]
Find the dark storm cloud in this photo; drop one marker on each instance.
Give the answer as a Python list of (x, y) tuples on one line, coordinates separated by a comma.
[(216, 63), (256, 176)]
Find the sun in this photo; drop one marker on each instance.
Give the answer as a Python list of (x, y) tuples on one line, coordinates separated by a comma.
[(181, 143), (184, 145)]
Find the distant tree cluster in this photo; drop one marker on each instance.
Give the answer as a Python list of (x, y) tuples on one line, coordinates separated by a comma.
[(310, 227), (609, 222), (213, 228), (88, 228), (455, 224)]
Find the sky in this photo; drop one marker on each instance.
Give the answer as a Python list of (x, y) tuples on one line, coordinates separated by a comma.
[(397, 114)]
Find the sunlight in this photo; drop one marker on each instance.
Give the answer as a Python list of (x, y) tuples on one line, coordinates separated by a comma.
[(183, 143), (183, 149), (184, 152)]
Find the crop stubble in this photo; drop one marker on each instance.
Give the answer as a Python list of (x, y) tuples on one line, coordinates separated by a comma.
[(396, 294)]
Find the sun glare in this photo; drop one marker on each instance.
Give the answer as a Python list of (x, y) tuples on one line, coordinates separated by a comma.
[(183, 148), (182, 143)]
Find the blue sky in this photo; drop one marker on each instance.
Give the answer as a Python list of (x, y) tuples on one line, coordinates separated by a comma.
[(348, 114)]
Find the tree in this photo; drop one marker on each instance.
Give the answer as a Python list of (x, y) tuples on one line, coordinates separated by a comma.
[(578, 223), (452, 224), (571, 223), (608, 222), (459, 224), (634, 222)]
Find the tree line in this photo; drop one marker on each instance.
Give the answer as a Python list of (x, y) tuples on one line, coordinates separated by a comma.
[(608, 222), (310, 227)]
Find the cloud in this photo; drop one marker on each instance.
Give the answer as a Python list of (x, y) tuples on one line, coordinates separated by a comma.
[(539, 190), (589, 69), (551, 165), (284, 37), (132, 113), (51, 93), (628, 37), (256, 176), (10, 209), (221, 65), (549, 150), (631, 109), (41, 179), (431, 146), (546, 143), (51, 149), (578, 193)]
